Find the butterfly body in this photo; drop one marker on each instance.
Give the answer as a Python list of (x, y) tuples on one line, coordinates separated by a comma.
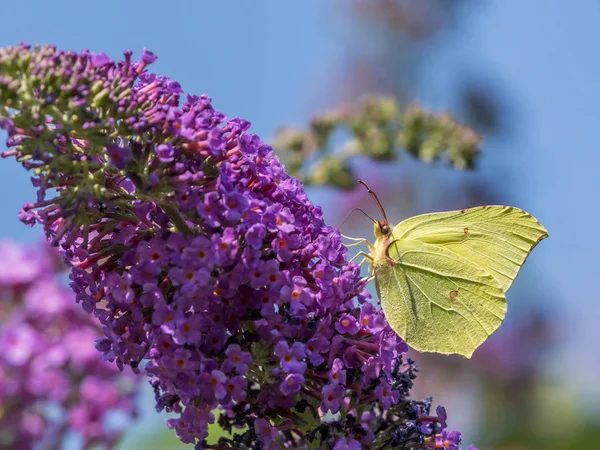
[(441, 278)]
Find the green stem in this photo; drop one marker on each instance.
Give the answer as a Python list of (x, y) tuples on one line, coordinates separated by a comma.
[(176, 218)]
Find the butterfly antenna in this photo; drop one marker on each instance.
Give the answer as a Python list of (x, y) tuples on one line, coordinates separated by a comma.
[(370, 191), (356, 209), (348, 215)]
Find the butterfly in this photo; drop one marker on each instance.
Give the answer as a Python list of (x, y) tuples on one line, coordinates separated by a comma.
[(442, 278)]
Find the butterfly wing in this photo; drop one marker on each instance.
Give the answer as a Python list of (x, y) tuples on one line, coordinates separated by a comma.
[(436, 300), (496, 238)]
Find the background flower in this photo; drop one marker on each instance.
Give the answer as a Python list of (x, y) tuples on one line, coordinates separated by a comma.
[(54, 382)]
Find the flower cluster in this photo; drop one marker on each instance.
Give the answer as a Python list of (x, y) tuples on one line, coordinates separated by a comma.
[(53, 379), (205, 262), (375, 127)]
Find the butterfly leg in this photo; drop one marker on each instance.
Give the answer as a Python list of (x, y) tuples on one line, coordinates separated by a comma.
[(353, 239), (357, 241), (355, 244), (366, 257), (365, 281), (362, 262)]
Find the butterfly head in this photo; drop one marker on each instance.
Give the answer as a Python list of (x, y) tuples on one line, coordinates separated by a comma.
[(382, 228)]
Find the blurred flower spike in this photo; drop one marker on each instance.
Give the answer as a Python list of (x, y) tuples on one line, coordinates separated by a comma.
[(53, 379), (374, 127)]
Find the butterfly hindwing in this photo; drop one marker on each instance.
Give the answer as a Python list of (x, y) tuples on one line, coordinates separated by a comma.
[(496, 238), (436, 300)]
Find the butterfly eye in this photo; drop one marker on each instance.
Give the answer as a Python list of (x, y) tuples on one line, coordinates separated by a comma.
[(385, 228)]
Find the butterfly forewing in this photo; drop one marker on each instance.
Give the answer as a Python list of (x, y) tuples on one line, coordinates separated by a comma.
[(496, 238), (436, 300)]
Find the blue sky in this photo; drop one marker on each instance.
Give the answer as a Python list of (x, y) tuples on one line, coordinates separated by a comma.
[(267, 62), (545, 52)]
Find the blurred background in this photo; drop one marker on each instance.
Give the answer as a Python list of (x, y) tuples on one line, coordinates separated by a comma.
[(522, 74)]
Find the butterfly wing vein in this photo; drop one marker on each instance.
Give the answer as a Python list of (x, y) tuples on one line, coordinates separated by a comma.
[(437, 300), (496, 238)]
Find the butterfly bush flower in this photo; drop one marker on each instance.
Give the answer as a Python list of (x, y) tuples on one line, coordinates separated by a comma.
[(206, 264), (53, 379)]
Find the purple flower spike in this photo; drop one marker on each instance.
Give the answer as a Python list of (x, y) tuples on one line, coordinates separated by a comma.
[(204, 261)]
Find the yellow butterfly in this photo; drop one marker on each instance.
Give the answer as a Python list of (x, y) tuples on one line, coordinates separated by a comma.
[(441, 278)]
